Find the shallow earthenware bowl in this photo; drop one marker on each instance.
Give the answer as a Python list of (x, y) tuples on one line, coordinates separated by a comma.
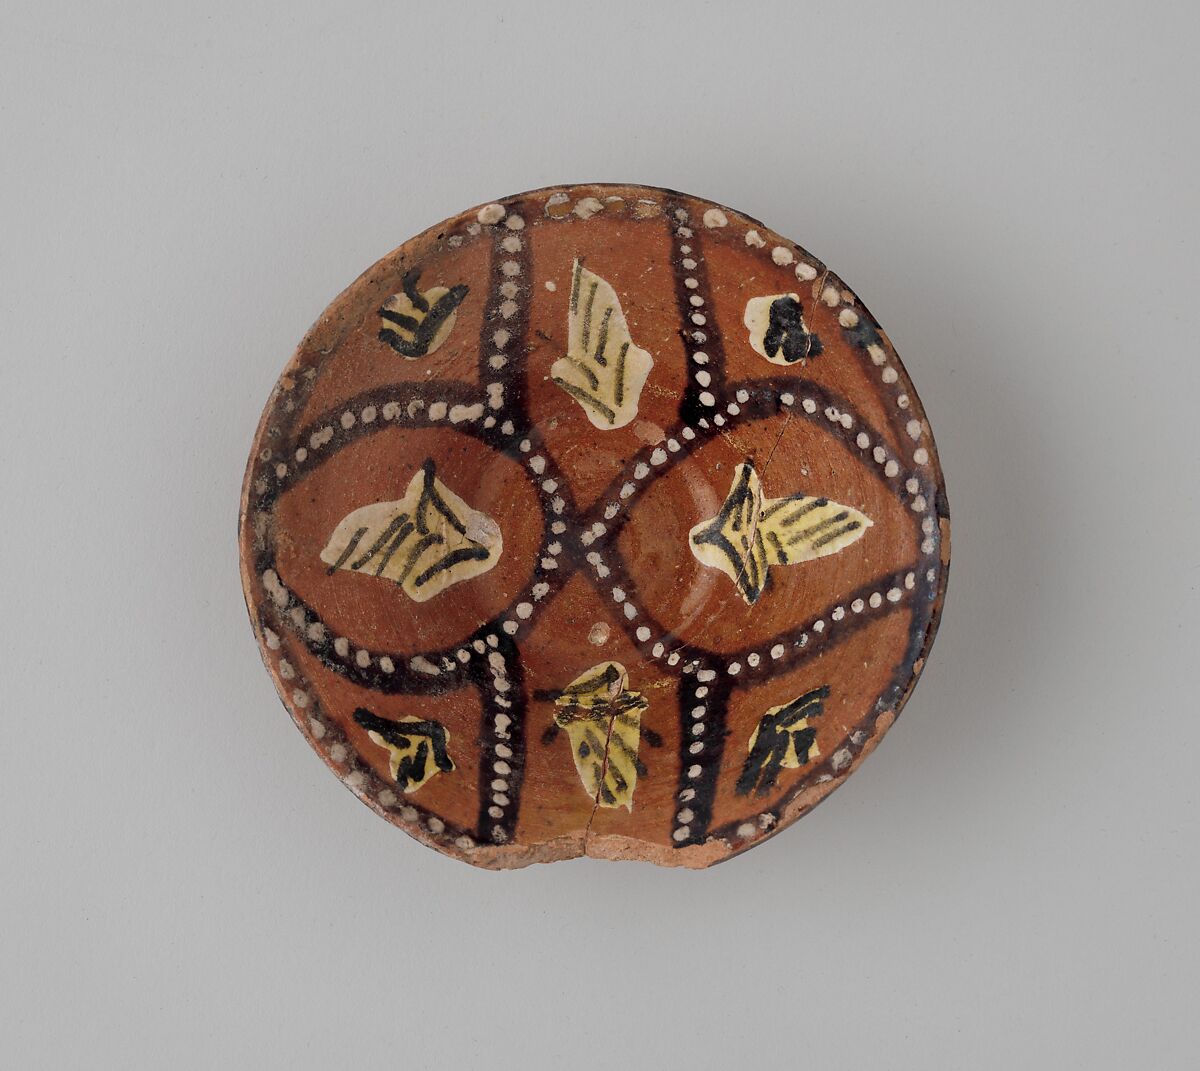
[(597, 520)]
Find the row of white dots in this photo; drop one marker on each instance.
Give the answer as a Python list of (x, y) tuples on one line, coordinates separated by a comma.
[(388, 799), (874, 601), (502, 752), (890, 466), (685, 815), (914, 428), (783, 256), (315, 632), (777, 651), (510, 287), (549, 560), (849, 318), (339, 753), (436, 411), (702, 375), (839, 761)]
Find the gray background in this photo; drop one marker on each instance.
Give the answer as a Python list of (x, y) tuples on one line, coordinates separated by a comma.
[(1011, 881)]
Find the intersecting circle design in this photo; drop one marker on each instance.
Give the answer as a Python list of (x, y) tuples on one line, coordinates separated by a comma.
[(597, 520)]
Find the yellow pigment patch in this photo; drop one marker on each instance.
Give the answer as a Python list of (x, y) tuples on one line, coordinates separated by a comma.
[(751, 533), (603, 721), (426, 542), (603, 370)]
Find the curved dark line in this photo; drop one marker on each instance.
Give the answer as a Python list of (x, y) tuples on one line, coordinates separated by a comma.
[(400, 319), (582, 396), (351, 547), (397, 542), (389, 530), (763, 404), (463, 554), (452, 393), (409, 285), (334, 734), (794, 656), (768, 669), (407, 681), (438, 315), (404, 680), (602, 340), (924, 600), (867, 332)]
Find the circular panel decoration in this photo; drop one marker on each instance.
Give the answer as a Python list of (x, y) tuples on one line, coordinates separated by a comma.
[(601, 520)]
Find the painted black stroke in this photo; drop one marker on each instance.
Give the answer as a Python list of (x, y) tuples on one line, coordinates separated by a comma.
[(738, 509), (597, 355), (422, 330), (787, 333), (607, 677), (431, 498), (409, 283), (397, 524), (351, 547), (431, 746), (776, 733), (600, 715), (463, 554), (389, 541), (550, 733), (605, 411)]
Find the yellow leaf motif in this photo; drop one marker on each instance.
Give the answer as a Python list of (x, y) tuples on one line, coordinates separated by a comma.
[(603, 370), (417, 750), (426, 542), (416, 322), (752, 533), (783, 739), (603, 721)]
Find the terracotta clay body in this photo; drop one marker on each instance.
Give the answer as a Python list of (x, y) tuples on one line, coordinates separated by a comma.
[(601, 520)]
